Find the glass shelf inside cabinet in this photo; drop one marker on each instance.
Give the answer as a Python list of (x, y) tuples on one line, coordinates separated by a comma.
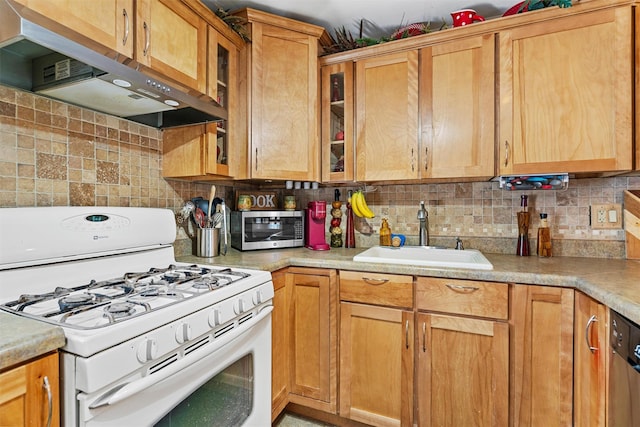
[(337, 122)]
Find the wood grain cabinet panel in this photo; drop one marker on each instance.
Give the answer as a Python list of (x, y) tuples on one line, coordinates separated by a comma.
[(376, 364), (542, 356), (590, 362), (565, 86), (387, 117), (313, 337), (171, 41), (107, 22), (462, 335), (279, 344), (457, 109), (283, 98), (24, 398)]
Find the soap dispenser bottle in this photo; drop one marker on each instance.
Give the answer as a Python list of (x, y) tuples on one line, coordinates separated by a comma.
[(385, 233)]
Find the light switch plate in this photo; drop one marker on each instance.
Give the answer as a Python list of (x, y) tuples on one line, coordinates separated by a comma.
[(606, 216)]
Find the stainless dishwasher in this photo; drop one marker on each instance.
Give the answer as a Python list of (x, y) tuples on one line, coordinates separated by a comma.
[(624, 374)]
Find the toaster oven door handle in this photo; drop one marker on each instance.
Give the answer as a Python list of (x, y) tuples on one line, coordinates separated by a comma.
[(124, 391)]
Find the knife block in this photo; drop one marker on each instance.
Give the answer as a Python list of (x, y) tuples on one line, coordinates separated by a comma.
[(632, 223)]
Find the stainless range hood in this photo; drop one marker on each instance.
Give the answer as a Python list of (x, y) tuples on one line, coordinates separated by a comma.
[(36, 59)]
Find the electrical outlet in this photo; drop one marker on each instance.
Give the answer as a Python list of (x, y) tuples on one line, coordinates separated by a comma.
[(606, 216)]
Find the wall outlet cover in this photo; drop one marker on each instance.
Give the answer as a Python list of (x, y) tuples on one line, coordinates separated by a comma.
[(606, 216)]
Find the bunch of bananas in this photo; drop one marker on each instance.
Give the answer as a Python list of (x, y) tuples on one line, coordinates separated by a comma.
[(359, 205)]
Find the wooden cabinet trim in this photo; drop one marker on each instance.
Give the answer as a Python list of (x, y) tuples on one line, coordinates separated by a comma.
[(464, 297)]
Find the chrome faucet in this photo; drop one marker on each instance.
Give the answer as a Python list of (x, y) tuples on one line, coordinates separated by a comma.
[(423, 217)]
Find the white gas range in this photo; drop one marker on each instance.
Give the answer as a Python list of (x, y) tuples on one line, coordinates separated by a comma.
[(144, 334)]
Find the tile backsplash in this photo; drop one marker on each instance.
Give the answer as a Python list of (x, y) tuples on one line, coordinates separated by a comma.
[(56, 154)]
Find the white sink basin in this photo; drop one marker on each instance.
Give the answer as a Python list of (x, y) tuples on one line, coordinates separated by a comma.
[(425, 256)]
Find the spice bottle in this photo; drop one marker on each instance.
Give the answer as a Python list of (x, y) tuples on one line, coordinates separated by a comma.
[(544, 237), (385, 233)]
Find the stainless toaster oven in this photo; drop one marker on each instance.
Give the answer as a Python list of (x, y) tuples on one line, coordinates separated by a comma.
[(252, 230)]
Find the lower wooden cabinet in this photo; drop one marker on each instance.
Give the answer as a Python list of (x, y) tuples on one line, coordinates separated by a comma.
[(312, 340), (304, 339), (29, 394), (279, 344), (376, 364), (462, 375), (590, 361), (541, 351), (376, 348)]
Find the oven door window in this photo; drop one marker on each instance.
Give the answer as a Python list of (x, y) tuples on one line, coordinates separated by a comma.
[(225, 400)]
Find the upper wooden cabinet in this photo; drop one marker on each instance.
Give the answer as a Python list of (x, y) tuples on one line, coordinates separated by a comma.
[(109, 23), (171, 40), (457, 109), (337, 122), (283, 98), (565, 94), (387, 143), (211, 151)]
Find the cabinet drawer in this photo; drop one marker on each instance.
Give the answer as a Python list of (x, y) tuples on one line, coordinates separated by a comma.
[(468, 297), (376, 288)]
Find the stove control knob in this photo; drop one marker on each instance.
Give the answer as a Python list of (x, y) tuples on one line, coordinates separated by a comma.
[(257, 297), (183, 333), (239, 306), (147, 350), (215, 317)]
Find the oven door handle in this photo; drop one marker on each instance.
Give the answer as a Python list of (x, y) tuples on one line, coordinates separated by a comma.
[(123, 391)]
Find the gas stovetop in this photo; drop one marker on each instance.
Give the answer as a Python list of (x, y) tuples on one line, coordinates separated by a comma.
[(101, 303), (108, 275)]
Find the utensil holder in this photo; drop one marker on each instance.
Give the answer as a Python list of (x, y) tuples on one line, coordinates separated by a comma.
[(207, 242)]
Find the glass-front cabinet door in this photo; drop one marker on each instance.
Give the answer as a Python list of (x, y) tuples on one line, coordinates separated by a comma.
[(337, 122), (222, 69)]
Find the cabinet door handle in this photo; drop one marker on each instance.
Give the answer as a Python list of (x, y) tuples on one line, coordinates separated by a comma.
[(406, 334), (374, 281), (126, 27), (47, 387), (424, 337), (413, 168), (147, 39), (256, 159), (426, 158), (463, 289), (591, 321), (506, 153)]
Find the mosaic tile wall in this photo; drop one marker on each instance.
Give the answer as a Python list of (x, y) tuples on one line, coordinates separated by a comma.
[(55, 154), (485, 215)]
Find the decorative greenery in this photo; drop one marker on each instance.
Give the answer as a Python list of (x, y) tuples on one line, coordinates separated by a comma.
[(236, 23), (345, 40), (541, 4)]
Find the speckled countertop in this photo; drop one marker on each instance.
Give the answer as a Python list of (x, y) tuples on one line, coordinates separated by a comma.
[(22, 339), (614, 282)]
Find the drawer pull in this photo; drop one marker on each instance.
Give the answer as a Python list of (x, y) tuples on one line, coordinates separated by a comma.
[(406, 334), (463, 289), (592, 319), (374, 281), (47, 387)]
